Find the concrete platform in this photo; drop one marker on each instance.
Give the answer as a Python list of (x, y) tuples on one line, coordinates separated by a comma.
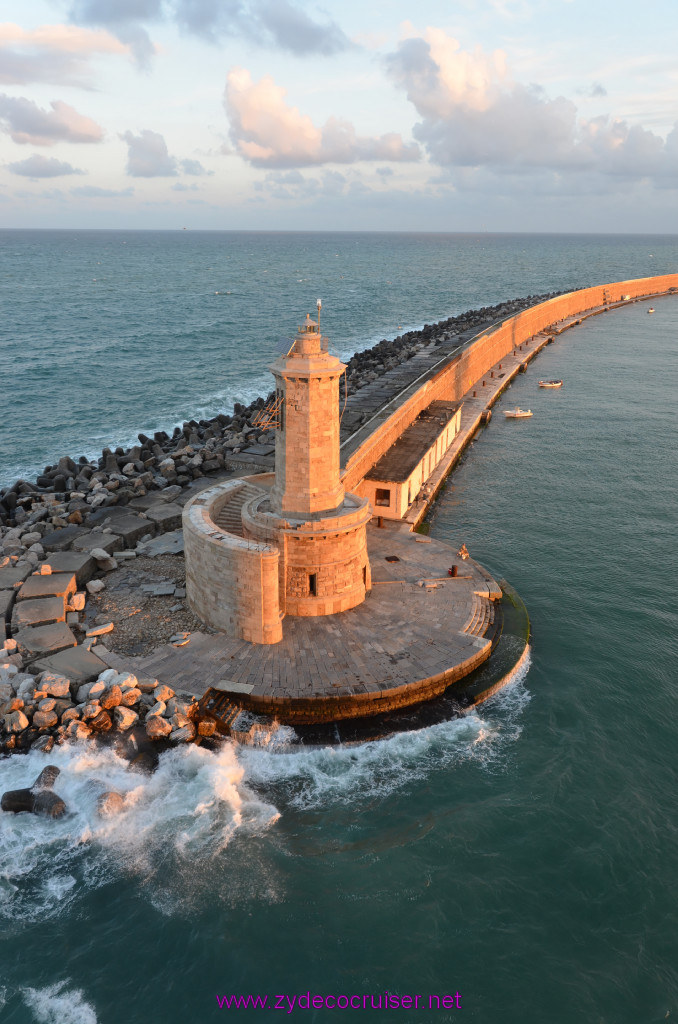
[(418, 631)]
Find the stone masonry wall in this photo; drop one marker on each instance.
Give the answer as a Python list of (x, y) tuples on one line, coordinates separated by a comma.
[(231, 583), (457, 376)]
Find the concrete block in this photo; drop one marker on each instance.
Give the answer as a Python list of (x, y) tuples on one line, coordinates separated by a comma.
[(166, 516), (45, 640), (78, 562), (13, 574), (109, 542), (77, 664), (62, 540), (132, 528), (58, 584), (6, 602), (38, 612)]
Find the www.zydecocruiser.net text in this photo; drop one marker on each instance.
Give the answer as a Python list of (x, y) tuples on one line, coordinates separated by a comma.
[(308, 1001)]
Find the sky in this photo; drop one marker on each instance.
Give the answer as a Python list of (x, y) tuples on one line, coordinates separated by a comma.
[(440, 115)]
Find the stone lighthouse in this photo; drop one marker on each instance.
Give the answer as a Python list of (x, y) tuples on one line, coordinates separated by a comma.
[(307, 472), (261, 547)]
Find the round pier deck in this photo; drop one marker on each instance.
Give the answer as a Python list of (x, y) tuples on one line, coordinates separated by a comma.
[(418, 631)]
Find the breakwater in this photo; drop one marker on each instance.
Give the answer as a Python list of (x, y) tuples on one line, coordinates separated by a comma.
[(452, 377), (200, 448)]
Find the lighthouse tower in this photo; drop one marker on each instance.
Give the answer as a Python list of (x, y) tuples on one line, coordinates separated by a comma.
[(319, 530), (307, 471)]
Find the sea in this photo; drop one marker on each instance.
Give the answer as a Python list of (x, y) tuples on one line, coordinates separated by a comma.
[(517, 865)]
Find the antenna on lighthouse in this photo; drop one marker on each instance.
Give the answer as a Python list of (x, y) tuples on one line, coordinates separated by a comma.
[(319, 306)]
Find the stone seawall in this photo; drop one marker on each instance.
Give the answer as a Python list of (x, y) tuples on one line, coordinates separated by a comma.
[(452, 378)]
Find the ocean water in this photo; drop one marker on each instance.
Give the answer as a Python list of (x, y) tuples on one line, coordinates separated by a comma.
[(524, 856), (104, 334)]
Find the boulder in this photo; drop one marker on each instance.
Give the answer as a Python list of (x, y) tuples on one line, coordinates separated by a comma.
[(101, 722), (111, 697), (45, 719), (90, 710), (55, 685), (16, 721), (180, 721), (157, 728), (184, 735), (130, 696), (70, 715), (163, 693), (91, 691), (124, 718), (147, 684), (126, 679), (7, 692), (95, 586), (158, 709), (110, 675), (76, 730), (110, 803), (104, 561), (44, 743)]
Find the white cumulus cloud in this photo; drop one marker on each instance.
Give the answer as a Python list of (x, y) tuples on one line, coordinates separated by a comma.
[(474, 114), (147, 155), (268, 132), (38, 166), (52, 53), (28, 123)]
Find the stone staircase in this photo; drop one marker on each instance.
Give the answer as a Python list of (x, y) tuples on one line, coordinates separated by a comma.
[(482, 616), (229, 517)]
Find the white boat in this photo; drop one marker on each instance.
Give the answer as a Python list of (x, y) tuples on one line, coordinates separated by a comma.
[(651, 309), (517, 414), (550, 383)]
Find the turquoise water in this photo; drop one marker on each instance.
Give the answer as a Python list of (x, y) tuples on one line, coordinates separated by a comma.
[(104, 334), (524, 856)]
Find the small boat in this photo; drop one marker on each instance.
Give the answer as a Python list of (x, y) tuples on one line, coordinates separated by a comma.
[(517, 414), (550, 383), (651, 309)]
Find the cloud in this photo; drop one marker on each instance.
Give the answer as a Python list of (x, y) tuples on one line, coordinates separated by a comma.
[(38, 166), (52, 53), (593, 91), (27, 123), (180, 187), (473, 114), (269, 133), (280, 24), (194, 167), (94, 192), (147, 155)]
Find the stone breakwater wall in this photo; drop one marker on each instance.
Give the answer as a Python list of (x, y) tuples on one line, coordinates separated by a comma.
[(68, 491), (459, 372)]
